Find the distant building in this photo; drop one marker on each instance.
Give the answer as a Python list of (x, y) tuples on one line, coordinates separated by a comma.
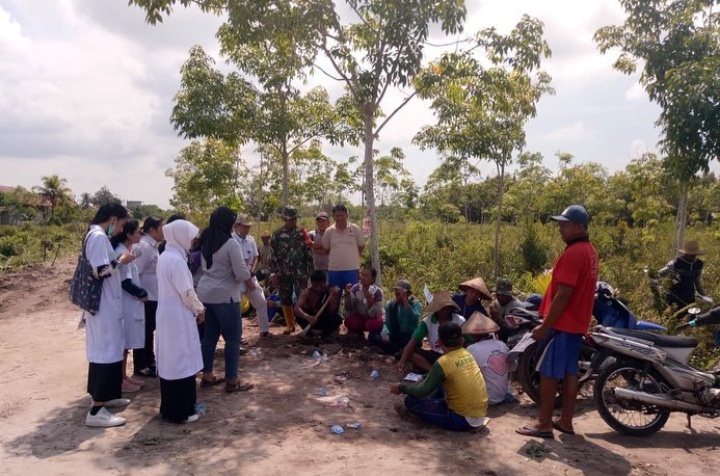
[(133, 204), (9, 216)]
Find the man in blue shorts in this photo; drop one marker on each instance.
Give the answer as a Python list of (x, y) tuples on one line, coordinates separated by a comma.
[(566, 309)]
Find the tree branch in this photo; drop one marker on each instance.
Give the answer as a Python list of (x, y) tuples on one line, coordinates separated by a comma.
[(315, 65), (402, 105)]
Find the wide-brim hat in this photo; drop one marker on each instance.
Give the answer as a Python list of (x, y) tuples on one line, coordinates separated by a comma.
[(441, 300), (691, 247), (479, 323), (478, 284)]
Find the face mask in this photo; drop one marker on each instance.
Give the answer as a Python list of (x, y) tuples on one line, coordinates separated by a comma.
[(111, 229)]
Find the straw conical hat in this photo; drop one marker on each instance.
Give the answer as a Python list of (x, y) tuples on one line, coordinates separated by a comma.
[(479, 323), (478, 284), (441, 299)]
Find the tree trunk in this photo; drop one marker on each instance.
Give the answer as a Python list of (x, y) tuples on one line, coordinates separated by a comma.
[(369, 139), (680, 220), (286, 173), (501, 190)]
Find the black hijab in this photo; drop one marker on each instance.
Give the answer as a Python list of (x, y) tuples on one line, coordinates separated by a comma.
[(217, 233)]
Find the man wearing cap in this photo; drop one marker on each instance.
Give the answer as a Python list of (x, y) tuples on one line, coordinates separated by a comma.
[(504, 303), (251, 288), (566, 310), (462, 404), (401, 319), (470, 299), (491, 356), (320, 254), (685, 270), (293, 261), (440, 310)]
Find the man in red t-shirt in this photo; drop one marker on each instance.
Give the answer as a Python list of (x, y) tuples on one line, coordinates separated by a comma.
[(566, 309)]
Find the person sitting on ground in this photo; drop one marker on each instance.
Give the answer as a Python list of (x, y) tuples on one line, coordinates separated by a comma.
[(471, 297), (311, 301), (272, 298), (504, 303), (462, 401), (401, 319), (441, 309), (491, 356), (364, 305)]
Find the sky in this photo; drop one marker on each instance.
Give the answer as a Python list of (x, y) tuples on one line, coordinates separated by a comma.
[(87, 87)]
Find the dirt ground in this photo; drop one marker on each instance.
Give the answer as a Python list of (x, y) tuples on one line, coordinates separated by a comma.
[(281, 427)]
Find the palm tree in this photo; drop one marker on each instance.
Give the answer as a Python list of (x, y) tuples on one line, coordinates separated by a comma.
[(54, 189)]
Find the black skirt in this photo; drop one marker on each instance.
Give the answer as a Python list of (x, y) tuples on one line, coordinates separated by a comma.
[(105, 381), (177, 399)]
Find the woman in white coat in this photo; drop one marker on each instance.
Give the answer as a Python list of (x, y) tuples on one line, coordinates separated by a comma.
[(133, 297), (178, 353), (147, 256), (105, 334)]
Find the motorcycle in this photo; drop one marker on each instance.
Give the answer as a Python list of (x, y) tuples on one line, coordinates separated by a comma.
[(608, 311), (644, 377)]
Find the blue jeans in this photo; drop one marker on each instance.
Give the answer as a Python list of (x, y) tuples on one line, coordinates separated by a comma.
[(435, 410), (226, 320)]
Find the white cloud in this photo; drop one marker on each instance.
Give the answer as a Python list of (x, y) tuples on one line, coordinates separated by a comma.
[(86, 89), (636, 93)]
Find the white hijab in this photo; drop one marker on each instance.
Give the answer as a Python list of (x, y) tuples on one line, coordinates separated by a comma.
[(180, 234)]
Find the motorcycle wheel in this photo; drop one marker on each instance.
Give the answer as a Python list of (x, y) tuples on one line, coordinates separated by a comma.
[(630, 418), (529, 378)]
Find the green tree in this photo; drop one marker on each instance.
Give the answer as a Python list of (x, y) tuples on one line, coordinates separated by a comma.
[(55, 190), (104, 196), (678, 44), (382, 48), (482, 110), (205, 177)]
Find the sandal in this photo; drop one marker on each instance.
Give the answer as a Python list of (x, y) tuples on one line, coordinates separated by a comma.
[(238, 387), (211, 383), (562, 429), (534, 432)]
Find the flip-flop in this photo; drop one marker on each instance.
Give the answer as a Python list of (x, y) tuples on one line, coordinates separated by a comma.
[(534, 432), (238, 387), (211, 383), (561, 429)]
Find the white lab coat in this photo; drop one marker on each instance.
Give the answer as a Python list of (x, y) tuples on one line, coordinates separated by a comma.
[(104, 332), (147, 258), (177, 341), (133, 311)]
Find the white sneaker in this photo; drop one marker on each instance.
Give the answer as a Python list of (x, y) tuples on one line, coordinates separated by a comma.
[(118, 402), (103, 419), (192, 418)]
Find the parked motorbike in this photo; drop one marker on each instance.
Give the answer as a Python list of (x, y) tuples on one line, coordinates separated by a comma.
[(608, 311), (644, 377)]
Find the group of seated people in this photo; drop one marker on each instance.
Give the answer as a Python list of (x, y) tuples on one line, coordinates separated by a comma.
[(466, 361)]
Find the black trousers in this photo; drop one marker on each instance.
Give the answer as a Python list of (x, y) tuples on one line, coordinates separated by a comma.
[(145, 358), (177, 399), (327, 323), (105, 381)]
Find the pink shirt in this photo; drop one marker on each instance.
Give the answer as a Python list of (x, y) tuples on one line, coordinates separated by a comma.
[(342, 246)]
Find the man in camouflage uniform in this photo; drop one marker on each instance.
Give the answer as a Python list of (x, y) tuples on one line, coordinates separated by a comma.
[(292, 260)]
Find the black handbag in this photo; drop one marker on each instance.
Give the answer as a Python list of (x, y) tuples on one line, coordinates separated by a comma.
[(85, 288)]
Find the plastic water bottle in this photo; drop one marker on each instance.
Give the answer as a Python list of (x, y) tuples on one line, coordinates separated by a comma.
[(255, 352), (324, 357), (200, 408), (374, 374), (355, 426), (385, 334), (337, 430), (322, 392), (316, 355)]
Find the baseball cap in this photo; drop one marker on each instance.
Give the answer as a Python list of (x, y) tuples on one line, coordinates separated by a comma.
[(504, 287), (321, 215), (575, 214)]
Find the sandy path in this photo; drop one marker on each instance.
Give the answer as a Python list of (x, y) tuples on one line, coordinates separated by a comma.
[(281, 427)]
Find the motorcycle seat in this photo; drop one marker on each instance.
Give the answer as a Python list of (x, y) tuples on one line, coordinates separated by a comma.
[(675, 342)]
